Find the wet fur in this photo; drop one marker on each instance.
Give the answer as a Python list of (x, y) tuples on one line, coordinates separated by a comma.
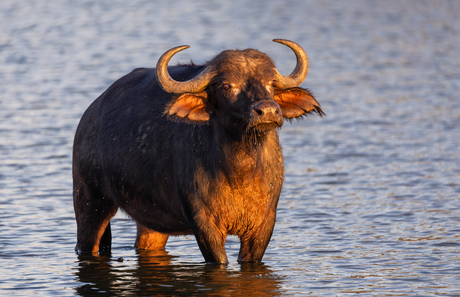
[(209, 175)]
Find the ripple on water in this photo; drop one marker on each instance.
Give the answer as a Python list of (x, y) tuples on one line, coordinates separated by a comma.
[(370, 201)]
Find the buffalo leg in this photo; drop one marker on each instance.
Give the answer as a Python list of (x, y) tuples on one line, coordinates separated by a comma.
[(93, 234), (147, 239), (106, 239), (210, 238), (93, 213), (254, 244)]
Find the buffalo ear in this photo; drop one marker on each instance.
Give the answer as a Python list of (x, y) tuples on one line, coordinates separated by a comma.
[(296, 102), (190, 106)]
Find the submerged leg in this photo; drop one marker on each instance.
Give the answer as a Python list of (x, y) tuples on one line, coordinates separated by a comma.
[(254, 244), (93, 234), (148, 239), (93, 213), (106, 239), (211, 239)]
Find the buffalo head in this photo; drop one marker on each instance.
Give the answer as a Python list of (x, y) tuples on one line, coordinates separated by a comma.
[(242, 89)]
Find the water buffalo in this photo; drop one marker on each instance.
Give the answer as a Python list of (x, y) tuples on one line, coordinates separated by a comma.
[(189, 149)]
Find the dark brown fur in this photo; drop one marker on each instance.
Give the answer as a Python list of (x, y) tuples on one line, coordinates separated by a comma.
[(208, 163)]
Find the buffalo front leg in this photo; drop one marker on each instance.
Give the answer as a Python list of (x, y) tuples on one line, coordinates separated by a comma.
[(254, 244), (148, 239), (210, 238)]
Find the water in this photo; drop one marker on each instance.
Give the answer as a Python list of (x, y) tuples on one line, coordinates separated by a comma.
[(371, 199)]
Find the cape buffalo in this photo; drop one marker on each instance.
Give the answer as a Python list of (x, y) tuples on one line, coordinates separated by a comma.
[(189, 149)]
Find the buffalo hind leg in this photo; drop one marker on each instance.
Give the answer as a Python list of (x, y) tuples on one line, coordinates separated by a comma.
[(148, 239), (253, 245), (93, 213), (93, 235), (106, 240)]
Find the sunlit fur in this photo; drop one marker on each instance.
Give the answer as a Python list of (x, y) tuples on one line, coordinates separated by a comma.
[(206, 164)]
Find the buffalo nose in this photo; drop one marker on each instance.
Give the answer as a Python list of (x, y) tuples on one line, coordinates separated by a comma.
[(267, 109)]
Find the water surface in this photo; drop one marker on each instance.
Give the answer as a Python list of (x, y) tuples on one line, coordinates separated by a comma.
[(371, 199)]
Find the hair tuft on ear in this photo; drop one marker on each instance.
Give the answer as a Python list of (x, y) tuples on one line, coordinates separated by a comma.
[(297, 102), (190, 106)]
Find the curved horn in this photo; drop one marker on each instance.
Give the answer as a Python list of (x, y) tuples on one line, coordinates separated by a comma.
[(196, 84), (301, 69)]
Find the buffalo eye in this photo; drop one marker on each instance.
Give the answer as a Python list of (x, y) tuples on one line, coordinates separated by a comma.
[(226, 86)]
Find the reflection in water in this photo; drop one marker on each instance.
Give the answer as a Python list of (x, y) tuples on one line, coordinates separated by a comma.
[(158, 275)]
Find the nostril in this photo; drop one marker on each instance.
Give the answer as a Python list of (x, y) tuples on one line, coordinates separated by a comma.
[(267, 109)]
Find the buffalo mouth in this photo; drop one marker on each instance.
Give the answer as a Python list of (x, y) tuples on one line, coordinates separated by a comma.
[(265, 126), (266, 115)]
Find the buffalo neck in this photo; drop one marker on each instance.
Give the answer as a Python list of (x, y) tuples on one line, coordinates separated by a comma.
[(247, 154)]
